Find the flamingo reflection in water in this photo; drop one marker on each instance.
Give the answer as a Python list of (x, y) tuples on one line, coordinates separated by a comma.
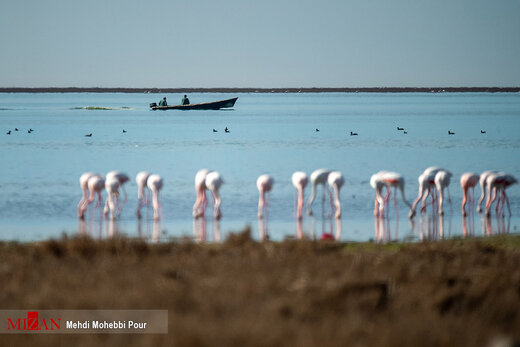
[(152, 232), (330, 228), (200, 231), (382, 229), (503, 225), (432, 227)]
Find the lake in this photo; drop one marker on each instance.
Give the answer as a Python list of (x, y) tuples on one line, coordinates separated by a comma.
[(269, 133)]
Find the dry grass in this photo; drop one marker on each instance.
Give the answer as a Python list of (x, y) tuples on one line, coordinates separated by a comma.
[(297, 293)]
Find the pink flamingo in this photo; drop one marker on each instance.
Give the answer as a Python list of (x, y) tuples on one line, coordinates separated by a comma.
[(83, 183), (335, 180), (213, 182), (155, 183), (317, 177), (387, 179), (442, 180), (112, 185), (199, 208), (497, 184), (94, 183), (264, 183), (299, 181), (113, 181), (426, 183), (395, 180), (468, 180), (141, 180), (483, 188), (377, 183)]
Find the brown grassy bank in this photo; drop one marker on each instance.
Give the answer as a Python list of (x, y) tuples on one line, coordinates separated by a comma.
[(241, 292)]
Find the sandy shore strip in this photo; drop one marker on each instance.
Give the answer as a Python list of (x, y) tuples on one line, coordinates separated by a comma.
[(458, 292)]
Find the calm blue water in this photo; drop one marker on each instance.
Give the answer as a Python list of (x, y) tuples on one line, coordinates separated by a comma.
[(270, 133)]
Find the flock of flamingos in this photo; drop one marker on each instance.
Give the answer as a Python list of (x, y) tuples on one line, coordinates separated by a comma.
[(432, 183)]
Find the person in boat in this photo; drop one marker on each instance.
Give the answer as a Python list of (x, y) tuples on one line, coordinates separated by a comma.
[(185, 100), (163, 102)]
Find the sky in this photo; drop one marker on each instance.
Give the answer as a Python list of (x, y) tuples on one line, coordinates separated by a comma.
[(259, 43)]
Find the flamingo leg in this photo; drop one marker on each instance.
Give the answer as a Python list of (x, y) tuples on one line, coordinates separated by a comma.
[(337, 204), (441, 200), (300, 202), (464, 200), (323, 198), (395, 204), (157, 211), (507, 202), (267, 209), (490, 200), (261, 203), (217, 214)]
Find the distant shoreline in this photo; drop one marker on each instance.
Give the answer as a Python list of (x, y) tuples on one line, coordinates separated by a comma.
[(264, 90)]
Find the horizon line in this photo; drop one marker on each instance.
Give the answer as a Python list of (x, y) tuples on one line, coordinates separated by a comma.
[(156, 90)]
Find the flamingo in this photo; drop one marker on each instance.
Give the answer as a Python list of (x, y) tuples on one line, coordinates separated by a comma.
[(201, 202), (317, 177), (426, 183), (83, 182), (141, 179), (336, 180), (89, 182), (112, 185), (110, 180), (213, 183), (264, 183), (299, 181), (377, 183), (395, 180), (442, 180), (95, 184), (497, 184), (468, 180), (155, 183), (387, 179), (483, 188)]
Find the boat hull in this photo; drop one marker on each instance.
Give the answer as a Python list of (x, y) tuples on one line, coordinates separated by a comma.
[(215, 105)]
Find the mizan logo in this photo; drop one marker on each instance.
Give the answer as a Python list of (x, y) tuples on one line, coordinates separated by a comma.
[(33, 323)]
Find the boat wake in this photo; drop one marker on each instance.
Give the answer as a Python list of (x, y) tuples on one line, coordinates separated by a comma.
[(100, 108)]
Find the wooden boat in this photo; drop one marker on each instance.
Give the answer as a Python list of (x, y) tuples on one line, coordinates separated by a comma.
[(215, 105)]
